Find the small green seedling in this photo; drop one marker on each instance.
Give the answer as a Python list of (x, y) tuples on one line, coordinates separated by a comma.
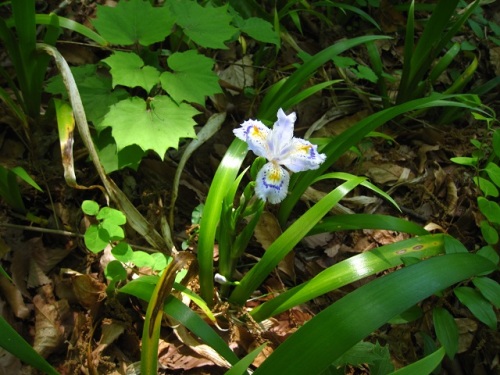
[(107, 231), (485, 160)]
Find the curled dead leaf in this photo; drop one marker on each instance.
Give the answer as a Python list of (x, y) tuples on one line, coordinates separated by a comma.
[(84, 289), (52, 325)]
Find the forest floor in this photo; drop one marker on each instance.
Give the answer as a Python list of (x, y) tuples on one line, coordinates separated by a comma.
[(59, 297)]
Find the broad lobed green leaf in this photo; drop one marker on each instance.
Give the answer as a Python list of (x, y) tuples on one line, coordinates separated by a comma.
[(128, 69), (133, 22), (192, 78), (156, 128)]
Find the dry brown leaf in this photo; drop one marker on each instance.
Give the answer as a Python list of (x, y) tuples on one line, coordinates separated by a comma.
[(466, 329), (385, 237), (430, 227), (15, 298), (329, 128), (201, 349), (84, 289), (319, 240), (332, 251), (391, 19), (4, 248), (495, 59), (179, 357), (267, 229), (422, 153), (289, 321), (31, 261), (266, 232), (36, 277), (9, 364), (451, 196), (77, 54), (89, 291), (239, 74), (50, 319), (384, 173), (110, 331), (263, 355)]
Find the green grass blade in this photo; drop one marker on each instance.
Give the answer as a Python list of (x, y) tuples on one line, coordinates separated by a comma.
[(24, 21), (339, 327), (366, 184), (350, 270), (425, 366), (378, 68), (356, 10), (304, 94), (224, 177), (45, 19), (242, 366), (366, 221), (287, 240), (15, 344), (351, 137), (188, 318), (14, 108), (408, 51), (444, 62), (464, 78), (426, 50), (271, 103), (10, 191), (143, 289), (12, 46), (22, 174), (225, 235), (4, 273), (464, 16)]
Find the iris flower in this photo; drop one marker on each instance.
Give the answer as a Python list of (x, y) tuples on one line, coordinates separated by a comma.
[(280, 148)]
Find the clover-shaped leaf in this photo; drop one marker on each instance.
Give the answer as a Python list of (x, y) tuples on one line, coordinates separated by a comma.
[(192, 78), (209, 27), (154, 125), (96, 238), (132, 22), (128, 69)]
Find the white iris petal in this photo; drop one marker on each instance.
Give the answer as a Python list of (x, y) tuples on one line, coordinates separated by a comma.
[(272, 183), (256, 134), (302, 156), (279, 147)]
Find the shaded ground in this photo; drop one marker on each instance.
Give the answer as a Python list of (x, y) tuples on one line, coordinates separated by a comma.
[(60, 302)]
